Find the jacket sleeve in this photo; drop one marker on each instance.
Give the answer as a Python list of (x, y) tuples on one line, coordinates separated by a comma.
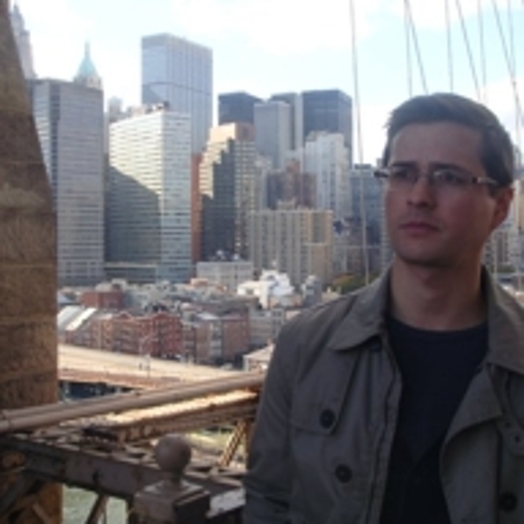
[(268, 480)]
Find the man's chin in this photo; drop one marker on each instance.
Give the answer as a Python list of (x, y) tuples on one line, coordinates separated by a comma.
[(423, 260)]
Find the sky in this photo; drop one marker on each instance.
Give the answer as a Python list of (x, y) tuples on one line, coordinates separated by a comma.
[(272, 46)]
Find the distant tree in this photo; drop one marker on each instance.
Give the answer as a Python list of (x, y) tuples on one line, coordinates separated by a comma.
[(348, 283)]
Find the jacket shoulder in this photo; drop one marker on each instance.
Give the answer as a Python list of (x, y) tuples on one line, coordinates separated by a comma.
[(310, 330)]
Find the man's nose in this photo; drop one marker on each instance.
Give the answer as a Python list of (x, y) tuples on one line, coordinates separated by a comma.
[(422, 192)]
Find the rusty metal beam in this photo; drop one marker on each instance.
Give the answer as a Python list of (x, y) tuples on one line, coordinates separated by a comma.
[(118, 472), (137, 426), (123, 380), (233, 444), (20, 487), (49, 415), (40, 512), (98, 509)]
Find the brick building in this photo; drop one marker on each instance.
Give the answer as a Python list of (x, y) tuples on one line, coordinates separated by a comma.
[(213, 339), (159, 335), (103, 299), (202, 338), (235, 336)]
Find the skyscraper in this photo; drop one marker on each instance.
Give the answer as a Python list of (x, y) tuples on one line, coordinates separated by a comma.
[(237, 108), (273, 131), (290, 185), (296, 116), (69, 118), (180, 72), (228, 189), (328, 110), (87, 74), (150, 197), (327, 159), (367, 217), (23, 42), (298, 242)]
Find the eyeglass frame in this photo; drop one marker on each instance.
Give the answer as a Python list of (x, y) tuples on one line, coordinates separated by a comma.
[(384, 175)]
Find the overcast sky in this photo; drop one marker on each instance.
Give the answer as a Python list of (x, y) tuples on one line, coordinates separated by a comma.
[(268, 46)]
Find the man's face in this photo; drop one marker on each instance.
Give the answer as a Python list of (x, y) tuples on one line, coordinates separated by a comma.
[(435, 228)]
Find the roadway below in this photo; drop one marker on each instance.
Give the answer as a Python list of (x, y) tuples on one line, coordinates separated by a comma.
[(74, 360)]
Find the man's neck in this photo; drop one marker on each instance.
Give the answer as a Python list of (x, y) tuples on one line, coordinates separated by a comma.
[(435, 298)]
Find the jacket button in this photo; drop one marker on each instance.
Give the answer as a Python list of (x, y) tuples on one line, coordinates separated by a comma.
[(508, 502), (327, 418), (343, 473)]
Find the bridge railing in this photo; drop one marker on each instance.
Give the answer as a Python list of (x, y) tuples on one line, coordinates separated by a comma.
[(104, 445)]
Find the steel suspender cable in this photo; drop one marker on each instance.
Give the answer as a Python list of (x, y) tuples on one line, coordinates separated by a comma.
[(409, 65), (483, 65), (508, 63), (449, 45), (468, 48), (518, 123), (513, 60), (359, 137), (511, 38), (511, 65), (417, 47)]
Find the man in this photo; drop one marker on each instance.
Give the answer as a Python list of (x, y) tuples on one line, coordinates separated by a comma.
[(404, 402)]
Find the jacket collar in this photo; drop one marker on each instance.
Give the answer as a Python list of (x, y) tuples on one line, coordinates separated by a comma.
[(506, 327), (505, 322), (366, 317)]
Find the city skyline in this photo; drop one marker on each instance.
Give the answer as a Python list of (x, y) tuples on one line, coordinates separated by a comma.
[(309, 48)]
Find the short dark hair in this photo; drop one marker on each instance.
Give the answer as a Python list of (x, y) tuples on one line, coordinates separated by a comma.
[(496, 154)]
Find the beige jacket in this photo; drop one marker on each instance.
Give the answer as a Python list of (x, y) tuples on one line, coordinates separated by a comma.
[(327, 419)]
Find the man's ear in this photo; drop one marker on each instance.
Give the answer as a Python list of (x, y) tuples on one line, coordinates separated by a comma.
[(503, 198)]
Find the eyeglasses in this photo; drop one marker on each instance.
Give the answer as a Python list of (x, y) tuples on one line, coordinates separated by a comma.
[(403, 178)]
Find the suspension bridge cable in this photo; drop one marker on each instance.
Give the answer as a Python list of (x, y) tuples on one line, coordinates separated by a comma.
[(518, 186), (449, 45), (356, 88), (508, 62), (513, 58), (468, 48), (483, 63), (409, 64), (416, 44), (511, 38)]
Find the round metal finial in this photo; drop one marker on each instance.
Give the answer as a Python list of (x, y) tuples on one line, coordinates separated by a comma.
[(172, 454)]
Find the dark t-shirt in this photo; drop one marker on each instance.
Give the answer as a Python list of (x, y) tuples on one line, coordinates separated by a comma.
[(436, 369)]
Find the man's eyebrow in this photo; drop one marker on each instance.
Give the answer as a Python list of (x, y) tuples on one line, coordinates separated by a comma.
[(404, 164), (433, 165), (447, 165)]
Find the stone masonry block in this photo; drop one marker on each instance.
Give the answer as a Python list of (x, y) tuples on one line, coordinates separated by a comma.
[(27, 237), (27, 291)]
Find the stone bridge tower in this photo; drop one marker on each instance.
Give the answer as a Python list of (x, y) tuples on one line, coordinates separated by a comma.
[(28, 348)]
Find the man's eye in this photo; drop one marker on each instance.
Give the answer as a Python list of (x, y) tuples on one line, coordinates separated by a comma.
[(451, 178), (401, 175)]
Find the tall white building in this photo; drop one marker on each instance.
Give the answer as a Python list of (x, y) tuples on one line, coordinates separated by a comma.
[(296, 104), (273, 131), (326, 157), (180, 72), (298, 242), (23, 42), (70, 122), (149, 208)]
